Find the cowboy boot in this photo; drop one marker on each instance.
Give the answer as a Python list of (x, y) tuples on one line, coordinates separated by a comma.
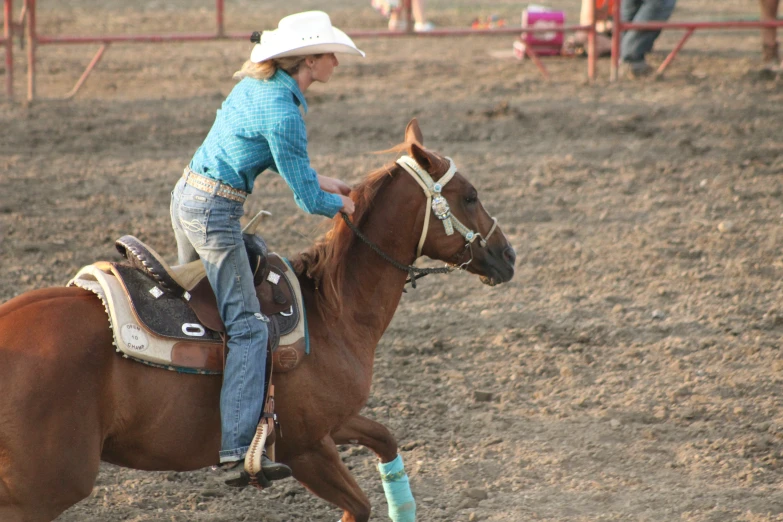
[(237, 477)]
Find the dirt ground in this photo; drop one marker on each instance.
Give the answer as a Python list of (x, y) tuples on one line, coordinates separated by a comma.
[(632, 370)]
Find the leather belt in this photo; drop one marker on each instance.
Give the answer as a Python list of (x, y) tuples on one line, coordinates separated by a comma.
[(194, 179)]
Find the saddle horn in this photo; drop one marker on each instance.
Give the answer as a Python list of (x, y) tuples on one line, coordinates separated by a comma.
[(252, 225)]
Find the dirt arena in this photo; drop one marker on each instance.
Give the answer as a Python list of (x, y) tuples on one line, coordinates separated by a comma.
[(632, 369)]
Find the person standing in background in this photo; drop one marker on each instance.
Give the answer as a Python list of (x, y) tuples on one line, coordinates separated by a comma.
[(394, 9), (635, 45), (577, 43)]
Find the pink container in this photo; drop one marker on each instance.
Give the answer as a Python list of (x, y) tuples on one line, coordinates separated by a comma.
[(543, 42)]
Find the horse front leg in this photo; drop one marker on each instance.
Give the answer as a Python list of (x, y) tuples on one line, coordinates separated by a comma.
[(375, 436), (321, 470)]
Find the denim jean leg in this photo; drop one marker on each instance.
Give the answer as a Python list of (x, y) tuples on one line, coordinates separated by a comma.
[(228, 270), (185, 251), (629, 8), (210, 225), (636, 44)]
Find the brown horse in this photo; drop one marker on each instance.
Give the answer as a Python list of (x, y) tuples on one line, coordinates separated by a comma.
[(67, 401)]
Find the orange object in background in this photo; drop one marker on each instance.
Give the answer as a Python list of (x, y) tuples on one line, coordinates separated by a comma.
[(605, 4), (491, 22)]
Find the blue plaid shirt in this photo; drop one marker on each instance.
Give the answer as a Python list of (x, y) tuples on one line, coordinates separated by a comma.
[(259, 127)]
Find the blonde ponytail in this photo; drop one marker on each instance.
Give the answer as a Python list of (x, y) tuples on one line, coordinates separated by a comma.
[(268, 68)]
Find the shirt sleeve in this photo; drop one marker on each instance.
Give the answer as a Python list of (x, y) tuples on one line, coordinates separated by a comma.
[(288, 144)]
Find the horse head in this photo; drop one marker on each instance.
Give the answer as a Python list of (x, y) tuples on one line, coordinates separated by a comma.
[(457, 228)]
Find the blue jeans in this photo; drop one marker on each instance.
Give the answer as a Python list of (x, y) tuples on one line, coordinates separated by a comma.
[(207, 227), (636, 44)]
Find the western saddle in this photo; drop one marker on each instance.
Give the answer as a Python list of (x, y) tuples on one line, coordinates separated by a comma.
[(159, 294)]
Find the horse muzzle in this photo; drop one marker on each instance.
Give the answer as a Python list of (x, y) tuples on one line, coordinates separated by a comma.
[(497, 266)]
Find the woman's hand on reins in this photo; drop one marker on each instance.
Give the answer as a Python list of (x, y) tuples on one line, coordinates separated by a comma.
[(348, 206), (333, 186)]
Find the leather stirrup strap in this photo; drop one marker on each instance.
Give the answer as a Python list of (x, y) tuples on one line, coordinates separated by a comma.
[(254, 455)]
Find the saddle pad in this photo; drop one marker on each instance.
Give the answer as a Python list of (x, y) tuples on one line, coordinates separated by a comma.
[(183, 344), (293, 322), (295, 339), (130, 337)]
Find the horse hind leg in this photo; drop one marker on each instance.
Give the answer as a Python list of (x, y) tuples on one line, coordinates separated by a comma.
[(37, 510), (322, 472), (42, 495), (9, 511)]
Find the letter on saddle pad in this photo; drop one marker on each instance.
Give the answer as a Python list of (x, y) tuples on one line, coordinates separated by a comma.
[(168, 315)]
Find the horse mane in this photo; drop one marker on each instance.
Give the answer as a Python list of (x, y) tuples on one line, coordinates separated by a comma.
[(322, 262)]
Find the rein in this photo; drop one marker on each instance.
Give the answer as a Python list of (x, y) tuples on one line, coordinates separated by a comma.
[(437, 204), (414, 272)]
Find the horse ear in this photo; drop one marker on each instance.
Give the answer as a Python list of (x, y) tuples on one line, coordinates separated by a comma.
[(413, 132), (422, 157), (415, 140)]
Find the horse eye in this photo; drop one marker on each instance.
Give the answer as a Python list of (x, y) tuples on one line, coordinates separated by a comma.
[(472, 197)]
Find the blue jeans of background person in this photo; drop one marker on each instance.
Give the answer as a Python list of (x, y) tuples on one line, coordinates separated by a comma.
[(636, 44), (207, 227)]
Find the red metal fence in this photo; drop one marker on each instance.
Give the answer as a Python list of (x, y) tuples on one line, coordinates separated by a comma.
[(27, 28), (34, 40), (8, 44)]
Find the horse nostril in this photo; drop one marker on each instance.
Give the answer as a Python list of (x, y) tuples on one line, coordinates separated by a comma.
[(509, 255)]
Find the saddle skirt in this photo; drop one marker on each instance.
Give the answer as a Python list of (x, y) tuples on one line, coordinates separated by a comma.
[(181, 331)]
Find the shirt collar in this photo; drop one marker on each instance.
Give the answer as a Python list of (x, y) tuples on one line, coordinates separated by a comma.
[(286, 79)]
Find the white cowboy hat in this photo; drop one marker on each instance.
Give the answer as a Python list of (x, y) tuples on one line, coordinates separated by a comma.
[(302, 34)]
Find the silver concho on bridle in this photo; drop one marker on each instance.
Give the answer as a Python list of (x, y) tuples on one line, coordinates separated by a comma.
[(440, 207)]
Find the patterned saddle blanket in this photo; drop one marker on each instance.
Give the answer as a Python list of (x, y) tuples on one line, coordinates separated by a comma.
[(182, 330)]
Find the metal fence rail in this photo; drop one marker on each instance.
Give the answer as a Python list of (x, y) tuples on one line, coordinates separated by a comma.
[(27, 28)]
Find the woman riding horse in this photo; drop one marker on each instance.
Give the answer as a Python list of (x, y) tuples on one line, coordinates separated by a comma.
[(258, 128), (68, 401)]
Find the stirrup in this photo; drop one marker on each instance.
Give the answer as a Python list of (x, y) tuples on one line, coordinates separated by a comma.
[(259, 481), (262, 479)]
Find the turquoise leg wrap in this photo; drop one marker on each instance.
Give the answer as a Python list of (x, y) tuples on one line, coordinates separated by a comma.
[(402, 507)]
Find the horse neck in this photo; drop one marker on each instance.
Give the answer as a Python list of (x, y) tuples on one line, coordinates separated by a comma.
[(373, 286)]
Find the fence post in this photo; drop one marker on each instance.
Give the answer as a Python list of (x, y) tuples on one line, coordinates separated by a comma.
[(617, 28), (32, 43), (8, 35), (221, 30), (591, 40)]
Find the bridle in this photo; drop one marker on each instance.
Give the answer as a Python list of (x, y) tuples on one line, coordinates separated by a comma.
[(438, 205)]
